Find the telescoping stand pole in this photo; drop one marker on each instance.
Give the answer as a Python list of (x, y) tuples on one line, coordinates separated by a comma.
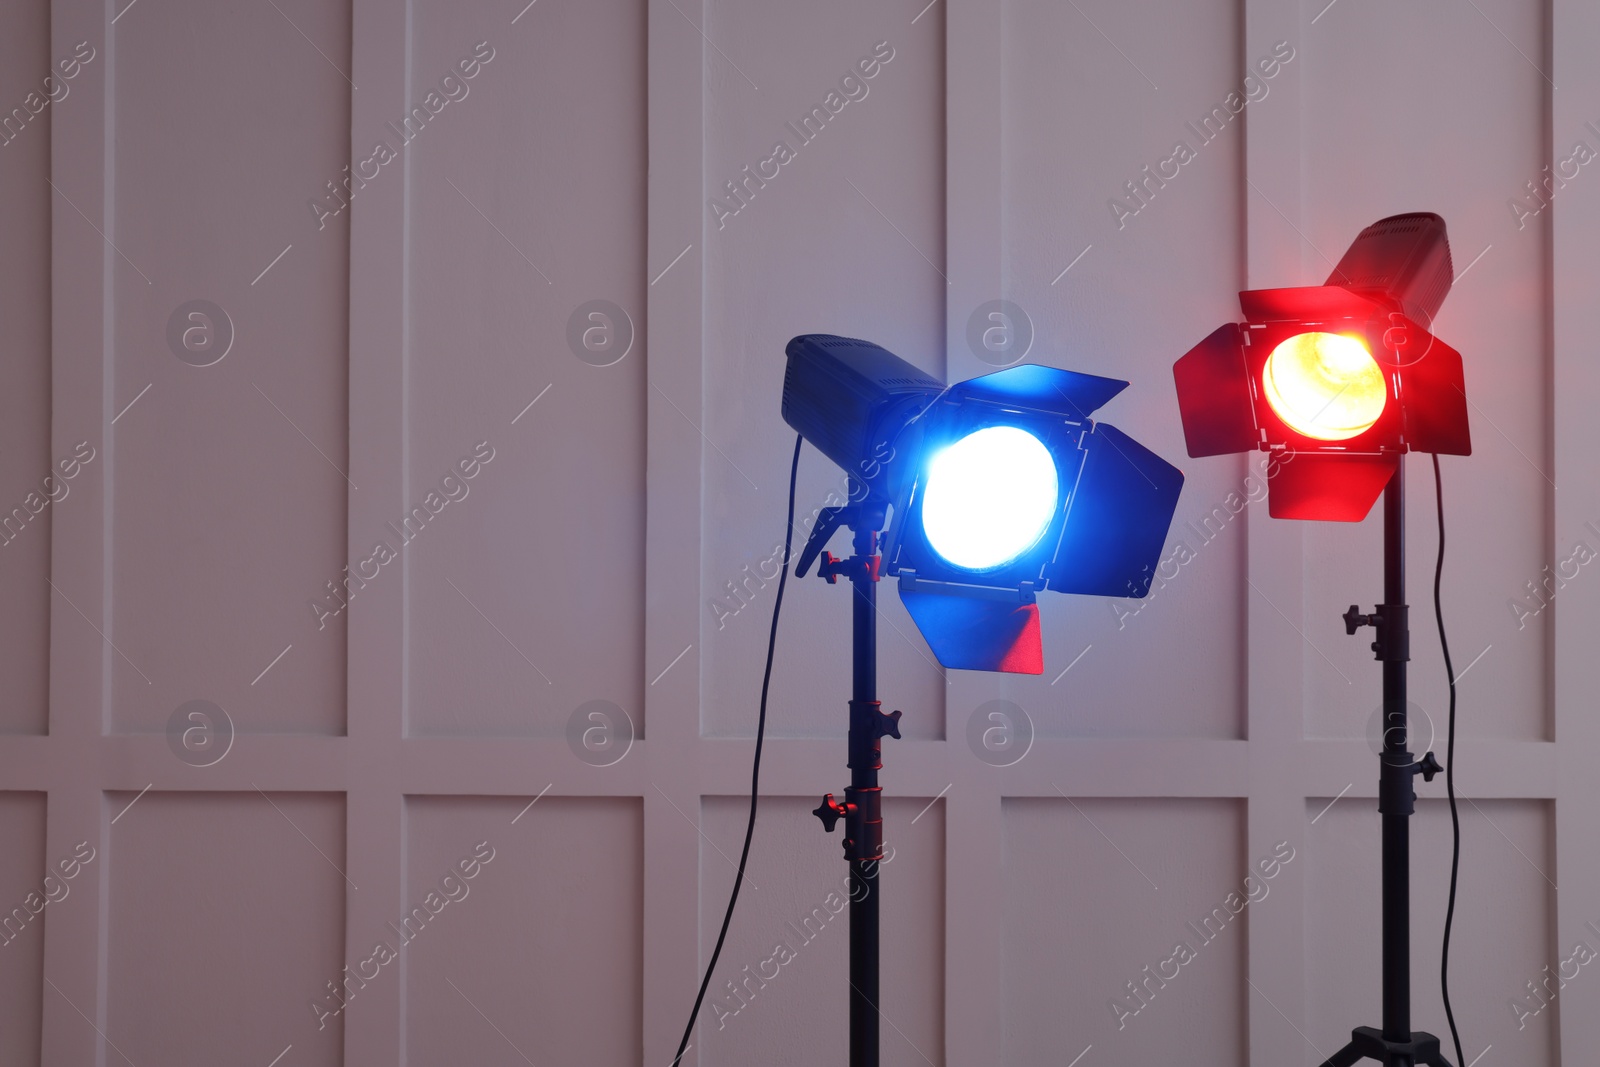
[(1396, 1045), (862, 809)]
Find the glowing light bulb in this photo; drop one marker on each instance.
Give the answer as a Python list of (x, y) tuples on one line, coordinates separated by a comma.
[(1325, 385), (989, 497)]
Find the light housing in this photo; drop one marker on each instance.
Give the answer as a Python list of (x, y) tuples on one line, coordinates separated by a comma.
[(1090, 506), (1387, 286)]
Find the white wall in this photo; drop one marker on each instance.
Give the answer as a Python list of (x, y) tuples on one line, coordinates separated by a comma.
[(377, 346)]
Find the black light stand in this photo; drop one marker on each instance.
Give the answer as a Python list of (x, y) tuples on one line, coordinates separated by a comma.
[(862, 809), (1396, 1045)]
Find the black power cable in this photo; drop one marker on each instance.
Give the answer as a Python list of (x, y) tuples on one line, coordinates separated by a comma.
[(755, 767), (1449, 773)]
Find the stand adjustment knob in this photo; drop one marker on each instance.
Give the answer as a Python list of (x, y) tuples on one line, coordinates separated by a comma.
[(1428, 766), (851, 567), (887, 725), (830, 811), (1354, 620)]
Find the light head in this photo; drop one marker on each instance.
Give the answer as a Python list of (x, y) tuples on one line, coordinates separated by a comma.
[(996, 488), (1339, 379)]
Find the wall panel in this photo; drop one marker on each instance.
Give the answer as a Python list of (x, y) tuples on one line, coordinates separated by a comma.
[(1085, 917), (225, 914), (530, 956), (27, 498), (526, 206), (27, 901), (228, 501)]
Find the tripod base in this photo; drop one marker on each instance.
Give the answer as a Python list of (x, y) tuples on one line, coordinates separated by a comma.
[(1369, 1044)]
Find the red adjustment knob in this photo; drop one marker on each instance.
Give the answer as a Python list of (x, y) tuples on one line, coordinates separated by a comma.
[(830, 812), (830, 570)]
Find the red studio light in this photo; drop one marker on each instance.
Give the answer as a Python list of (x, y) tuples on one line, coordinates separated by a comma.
[(1339, 379)]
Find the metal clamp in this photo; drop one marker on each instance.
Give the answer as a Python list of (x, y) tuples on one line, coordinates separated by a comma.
[(1393, 623)]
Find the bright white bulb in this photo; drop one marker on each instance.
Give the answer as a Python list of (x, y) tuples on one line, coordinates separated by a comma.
[(989, 497)]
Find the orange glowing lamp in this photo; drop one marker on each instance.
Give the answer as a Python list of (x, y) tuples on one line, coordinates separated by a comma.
[(1325, 385), (1339, 379)]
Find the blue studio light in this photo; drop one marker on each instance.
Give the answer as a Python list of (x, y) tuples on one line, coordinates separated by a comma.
[(991, 491)]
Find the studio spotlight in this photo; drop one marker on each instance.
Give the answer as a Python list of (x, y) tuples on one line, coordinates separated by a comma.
[(990, 491), (993, 490), (1342, 377)]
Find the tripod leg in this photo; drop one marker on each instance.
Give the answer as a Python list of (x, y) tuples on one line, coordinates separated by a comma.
[(1436, 1060), (1345, 1057)]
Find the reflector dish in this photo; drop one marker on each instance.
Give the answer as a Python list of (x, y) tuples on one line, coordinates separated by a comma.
[(990, 497), (1324, 385)]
